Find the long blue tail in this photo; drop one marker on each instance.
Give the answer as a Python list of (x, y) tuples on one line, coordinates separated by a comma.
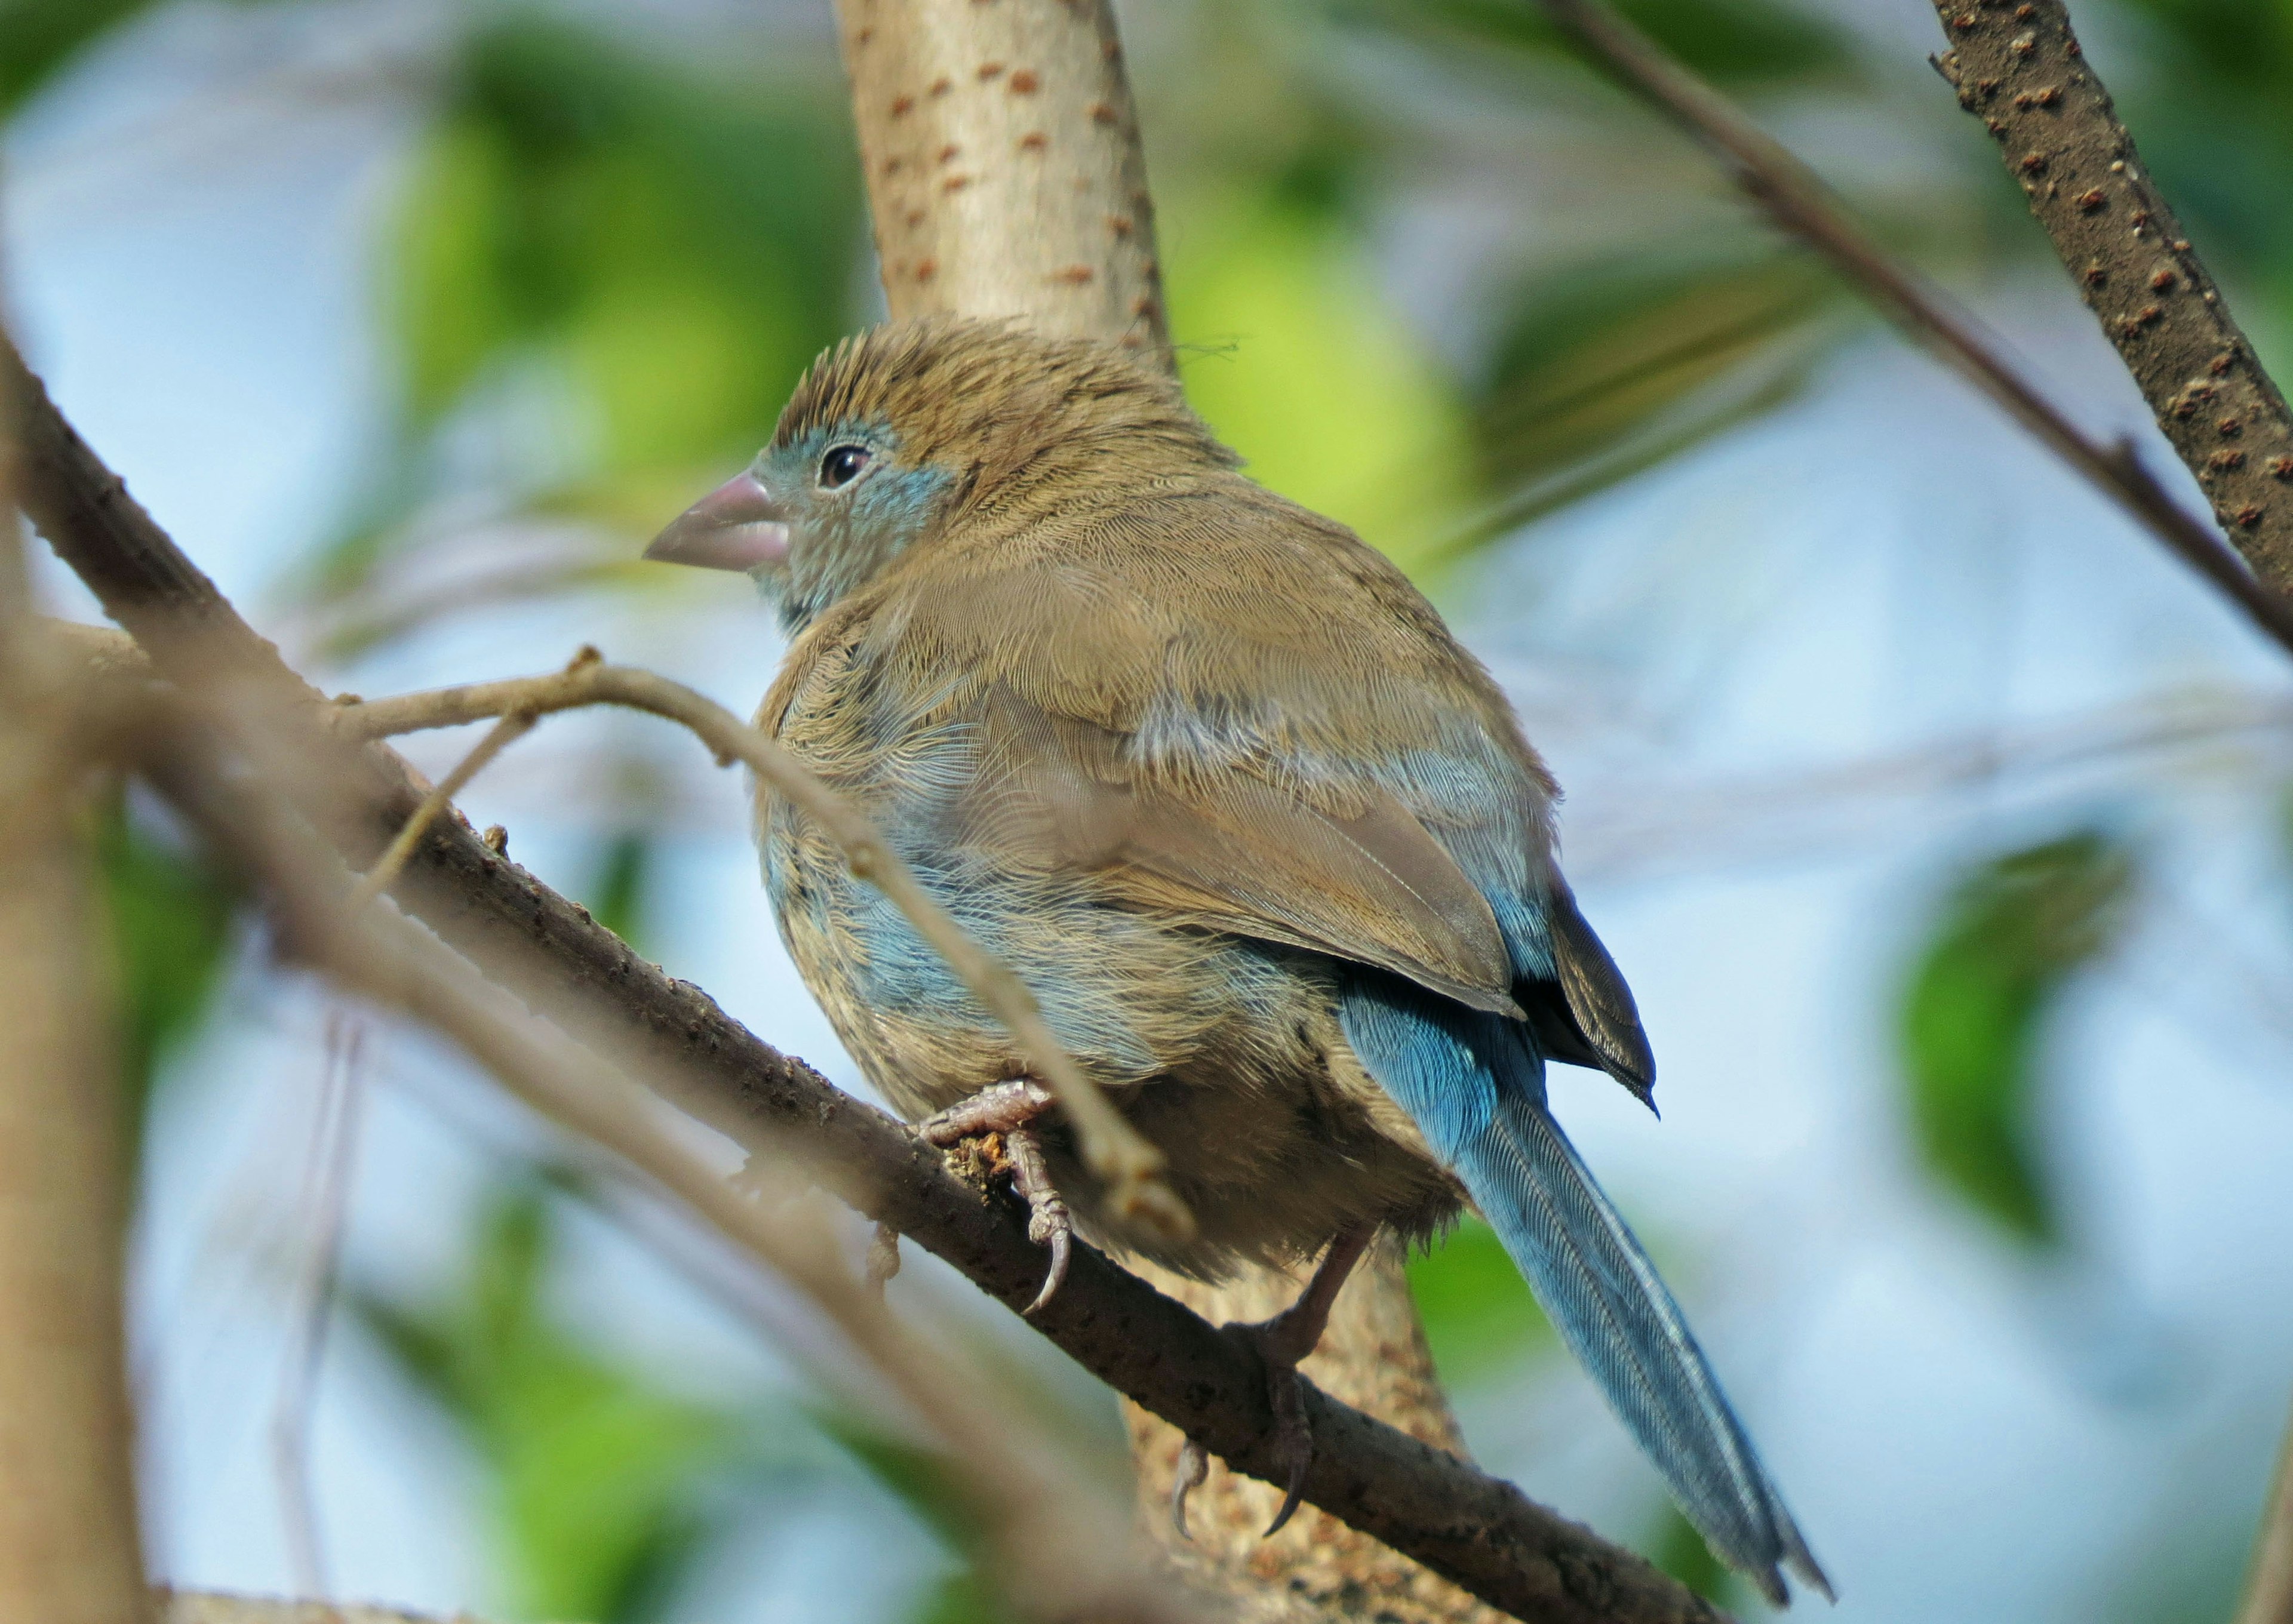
[(1475, 1085)]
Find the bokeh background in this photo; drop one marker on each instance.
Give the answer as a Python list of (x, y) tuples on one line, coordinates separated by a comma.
[(1941, 823)]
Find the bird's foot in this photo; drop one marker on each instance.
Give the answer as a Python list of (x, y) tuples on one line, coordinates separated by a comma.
[(1283, 1343), (1009, 1110)]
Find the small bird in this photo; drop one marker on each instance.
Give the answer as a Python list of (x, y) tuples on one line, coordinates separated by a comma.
[(1268, 845)]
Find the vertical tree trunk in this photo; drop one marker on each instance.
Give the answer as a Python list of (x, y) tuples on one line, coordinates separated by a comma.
[(1003, 164), (68, 1549), (1005, 177)]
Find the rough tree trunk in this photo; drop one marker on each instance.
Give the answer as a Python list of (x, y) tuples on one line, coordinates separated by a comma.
[(1005, 177)]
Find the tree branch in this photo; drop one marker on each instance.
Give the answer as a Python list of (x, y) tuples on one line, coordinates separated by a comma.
[(2022, 71), (2024, 74), (1482, 1533), (1796, 198)]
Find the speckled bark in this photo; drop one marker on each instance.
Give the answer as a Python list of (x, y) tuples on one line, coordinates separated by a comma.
[(1375, 1358), (1006, 178), (2018, 67), (1004, 171)]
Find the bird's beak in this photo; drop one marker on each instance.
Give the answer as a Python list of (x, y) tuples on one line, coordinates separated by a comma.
[(737, 525)]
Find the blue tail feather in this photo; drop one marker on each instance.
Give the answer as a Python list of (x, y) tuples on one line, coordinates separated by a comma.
[(1475, 1084)]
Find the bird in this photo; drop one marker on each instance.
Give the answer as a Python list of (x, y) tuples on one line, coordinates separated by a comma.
[(1267, 843)]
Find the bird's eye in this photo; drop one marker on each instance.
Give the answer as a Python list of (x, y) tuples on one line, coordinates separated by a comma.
[(842, 465)]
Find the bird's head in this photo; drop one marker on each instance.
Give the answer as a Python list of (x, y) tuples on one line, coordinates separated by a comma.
[(900, 434)]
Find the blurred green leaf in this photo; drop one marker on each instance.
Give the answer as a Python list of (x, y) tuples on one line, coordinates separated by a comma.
[(171, 926), (2008, 939), (655, 253), (1736, 43), (2206, 87), (38, 37), (925, 1482), (1480, 1316), (619, 892), (1595, 352), (601, 1478), (923, 1478), (1293, 357), (960, 1598), (1677, 1548)]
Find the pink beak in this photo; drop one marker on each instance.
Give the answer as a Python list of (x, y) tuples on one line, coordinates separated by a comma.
[(737, 525)]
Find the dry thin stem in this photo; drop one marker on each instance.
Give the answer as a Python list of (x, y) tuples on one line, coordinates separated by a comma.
[(1111, 1147), (512, 727), (1796, 198), (326, 1200)]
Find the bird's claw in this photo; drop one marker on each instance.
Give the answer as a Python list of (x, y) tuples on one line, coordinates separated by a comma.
[(1194, 1467), (1008, 1108), (1294, 1438), (1048, 1223), (1283, 1343), (1294, 1435)]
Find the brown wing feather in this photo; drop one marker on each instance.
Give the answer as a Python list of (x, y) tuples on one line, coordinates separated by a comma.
[(1359, 877)]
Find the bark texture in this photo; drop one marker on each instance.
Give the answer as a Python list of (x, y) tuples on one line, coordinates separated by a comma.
[(2020, 69), (1006, 177), (1375, 1358), (1004, 171)]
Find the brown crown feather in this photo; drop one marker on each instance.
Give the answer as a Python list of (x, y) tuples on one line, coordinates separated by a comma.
[(994, 400)]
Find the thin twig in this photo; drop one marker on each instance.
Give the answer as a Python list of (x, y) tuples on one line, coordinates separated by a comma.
[(333, 1161), (1110, 1146), (2021, 71), (513, 726), (1796, 198)]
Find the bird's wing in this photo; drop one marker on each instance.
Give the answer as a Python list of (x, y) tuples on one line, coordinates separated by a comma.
[(1229, 708), (1584, 1016), (1346, 870)]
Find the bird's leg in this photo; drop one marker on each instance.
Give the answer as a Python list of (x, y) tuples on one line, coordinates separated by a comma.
[(1282, 1342), (1010, 1109)]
